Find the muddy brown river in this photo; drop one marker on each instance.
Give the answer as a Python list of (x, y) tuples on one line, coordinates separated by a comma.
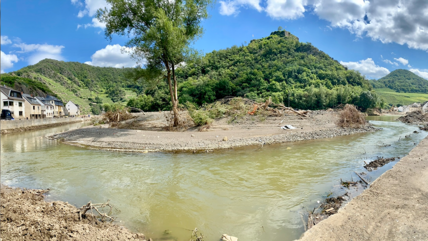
[(252, 193)]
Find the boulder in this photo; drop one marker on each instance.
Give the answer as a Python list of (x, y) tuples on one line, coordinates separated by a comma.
[(226, 237)]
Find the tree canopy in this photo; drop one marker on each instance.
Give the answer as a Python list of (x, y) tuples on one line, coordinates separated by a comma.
[(160, 32)]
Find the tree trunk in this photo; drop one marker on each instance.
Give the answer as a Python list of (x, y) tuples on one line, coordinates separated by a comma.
[(173, 92)]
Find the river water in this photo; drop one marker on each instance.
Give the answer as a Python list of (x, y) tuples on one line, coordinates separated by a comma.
[(252, 193)]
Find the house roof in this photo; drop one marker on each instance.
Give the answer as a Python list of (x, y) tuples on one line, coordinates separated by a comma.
[(30, 99), (6, 91)]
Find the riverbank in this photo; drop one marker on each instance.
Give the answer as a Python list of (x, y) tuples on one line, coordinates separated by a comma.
[(144, 135), (26, 215), (13, 126), (395, 206)]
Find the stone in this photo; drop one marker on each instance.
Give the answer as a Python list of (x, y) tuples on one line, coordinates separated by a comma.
[(192, 135), (226, 237), (225, 138)]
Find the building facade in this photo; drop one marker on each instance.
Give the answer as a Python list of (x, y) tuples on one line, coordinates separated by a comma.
[(73, 109), (33, 109), (12, 100), (57, 106)]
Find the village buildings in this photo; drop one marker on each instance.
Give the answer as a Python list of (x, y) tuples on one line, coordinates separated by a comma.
[(73, 109), (33, 109), (54, 107), (13, 101)]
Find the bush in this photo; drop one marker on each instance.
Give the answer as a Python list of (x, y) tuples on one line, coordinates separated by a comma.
[(351, 117), (201, 117)]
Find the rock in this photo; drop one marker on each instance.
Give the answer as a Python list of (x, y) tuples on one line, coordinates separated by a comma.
[(225, 138), (226, 237), (192, 135)]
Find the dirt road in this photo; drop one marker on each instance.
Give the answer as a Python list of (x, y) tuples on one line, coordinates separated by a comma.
[(395, 207)]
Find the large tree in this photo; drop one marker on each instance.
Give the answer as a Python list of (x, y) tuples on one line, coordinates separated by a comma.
[(160, 33)]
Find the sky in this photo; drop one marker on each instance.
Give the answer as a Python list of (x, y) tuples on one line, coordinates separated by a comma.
[(373, 37)]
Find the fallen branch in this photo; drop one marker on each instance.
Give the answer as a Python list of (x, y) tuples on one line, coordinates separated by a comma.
[(91, 206), (362, 178)]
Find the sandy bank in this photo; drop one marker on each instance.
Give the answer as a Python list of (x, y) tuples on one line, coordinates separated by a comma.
[(222, 135), (395, 207), (25, 215)]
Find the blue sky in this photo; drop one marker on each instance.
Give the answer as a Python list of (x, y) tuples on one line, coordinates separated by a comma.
[(373, 38)]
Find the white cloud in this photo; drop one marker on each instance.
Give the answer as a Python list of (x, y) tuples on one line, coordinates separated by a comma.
[(7, 61), (95, 23), (51, 49), (367, 68), (286, 9), (422, 73), (5, 40), (398, 21), (76, 2), (231, 7), (390, 62), (90, 9), (113, 56), (402, 61), (40, 51)]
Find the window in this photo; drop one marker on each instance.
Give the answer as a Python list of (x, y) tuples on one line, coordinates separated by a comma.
[(10, 103), (6, 103), (20, 113), (20, 104), (34, 108)]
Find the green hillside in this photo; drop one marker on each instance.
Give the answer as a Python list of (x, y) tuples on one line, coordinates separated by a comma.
[(402, 81), (26, 85), (81, 83), (395, 98), (278, 66)]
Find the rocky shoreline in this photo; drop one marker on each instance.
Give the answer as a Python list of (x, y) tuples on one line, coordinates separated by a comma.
[(198, 145)]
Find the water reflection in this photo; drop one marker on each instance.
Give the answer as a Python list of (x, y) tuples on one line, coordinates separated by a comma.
[(252, 193)]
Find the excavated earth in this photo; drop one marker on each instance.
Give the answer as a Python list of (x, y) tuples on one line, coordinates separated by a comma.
[(25, 215), (394, 207)]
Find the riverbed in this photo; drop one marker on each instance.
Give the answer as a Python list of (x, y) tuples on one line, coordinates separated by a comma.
[(252, 193)]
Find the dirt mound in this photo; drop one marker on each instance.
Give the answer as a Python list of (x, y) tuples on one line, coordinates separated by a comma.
[(414, 117), (25, 215), (379, 162)]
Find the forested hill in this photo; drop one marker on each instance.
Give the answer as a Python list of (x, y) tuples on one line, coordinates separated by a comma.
[(402, 80), (81, 83), (278, 66)]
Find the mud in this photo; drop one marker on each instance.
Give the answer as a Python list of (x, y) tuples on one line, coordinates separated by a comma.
[(414, 117), (379, 162), (25, 215)]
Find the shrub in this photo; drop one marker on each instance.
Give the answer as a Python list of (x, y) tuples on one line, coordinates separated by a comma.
[(351, 117)]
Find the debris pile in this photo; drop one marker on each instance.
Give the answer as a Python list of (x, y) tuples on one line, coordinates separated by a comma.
[(379, 162), (351, 117), (414, 117)]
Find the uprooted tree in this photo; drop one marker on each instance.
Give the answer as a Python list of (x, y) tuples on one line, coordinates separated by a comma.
[(161, 31)]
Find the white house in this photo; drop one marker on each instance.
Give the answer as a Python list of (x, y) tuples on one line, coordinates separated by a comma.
[(12, 100), (73, 109)]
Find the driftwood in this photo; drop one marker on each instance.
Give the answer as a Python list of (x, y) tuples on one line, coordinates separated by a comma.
[(95, 206), (362, 178)]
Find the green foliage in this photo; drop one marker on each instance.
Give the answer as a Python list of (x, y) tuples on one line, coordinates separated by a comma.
[(98, 100), (402, 81), (96, 109), (115, 93), (143, 102), (162, 32), (275, 67), (107, 107), (29, 86), (392, 97)]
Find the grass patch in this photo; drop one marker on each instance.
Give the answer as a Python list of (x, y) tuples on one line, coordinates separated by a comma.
[(392, 97)]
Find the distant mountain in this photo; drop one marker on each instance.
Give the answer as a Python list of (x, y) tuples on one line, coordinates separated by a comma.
[(403, 81), (80, 83)]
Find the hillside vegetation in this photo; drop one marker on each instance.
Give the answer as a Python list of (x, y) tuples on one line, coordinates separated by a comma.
[(395, 98), (278, 66), (402, 81), (26, 85), (81, 83)]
